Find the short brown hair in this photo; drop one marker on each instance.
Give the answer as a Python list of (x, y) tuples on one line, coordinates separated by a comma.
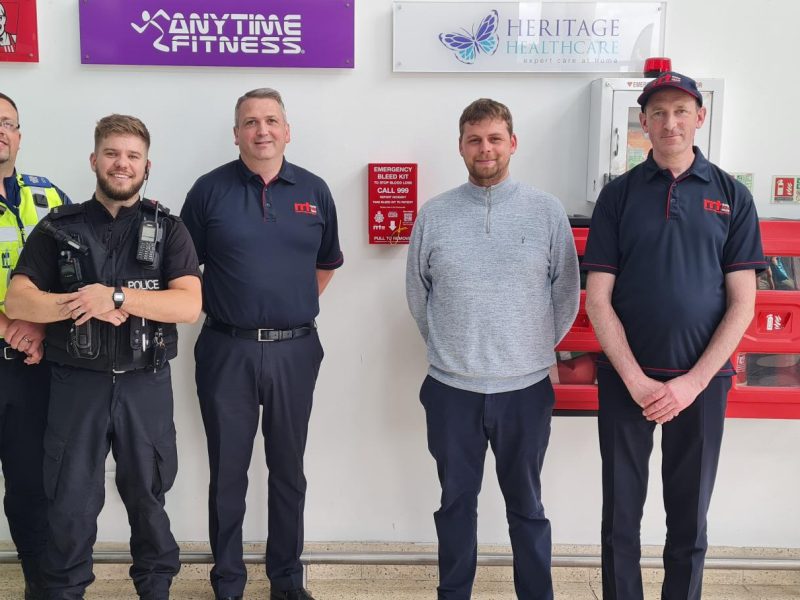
[(267, 93), (120, 125), (482, 109), (8, 99)]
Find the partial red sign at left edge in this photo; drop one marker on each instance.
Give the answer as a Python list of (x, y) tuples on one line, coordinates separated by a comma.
[(19, 35)]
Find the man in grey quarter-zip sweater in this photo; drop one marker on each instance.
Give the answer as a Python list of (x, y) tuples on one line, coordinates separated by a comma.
[(492, 282)]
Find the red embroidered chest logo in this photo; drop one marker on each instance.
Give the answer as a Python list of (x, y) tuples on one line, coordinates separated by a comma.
[(305, 208), (716, 206)]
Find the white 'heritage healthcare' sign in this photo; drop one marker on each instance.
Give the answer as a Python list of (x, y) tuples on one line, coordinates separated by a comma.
[(574, 37)]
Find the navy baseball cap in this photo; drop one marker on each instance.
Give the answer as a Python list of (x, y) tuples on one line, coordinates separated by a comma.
[(670, 79)]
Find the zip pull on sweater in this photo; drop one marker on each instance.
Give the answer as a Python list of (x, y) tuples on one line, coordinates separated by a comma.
[(488, 208)]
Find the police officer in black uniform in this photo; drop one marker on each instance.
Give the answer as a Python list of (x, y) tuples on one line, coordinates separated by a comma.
[(110, 277)]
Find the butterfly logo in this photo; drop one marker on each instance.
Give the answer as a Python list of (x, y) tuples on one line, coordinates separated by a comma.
[(466, 46)]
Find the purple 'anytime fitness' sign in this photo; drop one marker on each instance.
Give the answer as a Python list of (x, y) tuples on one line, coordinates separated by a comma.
[(218, 33)]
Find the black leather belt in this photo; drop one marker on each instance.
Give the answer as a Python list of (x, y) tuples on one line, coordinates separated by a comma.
[(261, 335), (10, 354)]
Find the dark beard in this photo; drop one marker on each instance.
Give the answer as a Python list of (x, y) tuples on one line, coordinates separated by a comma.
[(118, 195)]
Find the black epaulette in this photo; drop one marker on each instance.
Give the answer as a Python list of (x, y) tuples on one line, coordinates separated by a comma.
[(150, 205), (65, 210)]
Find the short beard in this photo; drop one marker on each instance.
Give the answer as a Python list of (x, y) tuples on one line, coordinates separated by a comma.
[(118, 195), (482, 178)]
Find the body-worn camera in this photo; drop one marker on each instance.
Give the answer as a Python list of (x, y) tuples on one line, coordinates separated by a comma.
[(70, 273), (81, 342)]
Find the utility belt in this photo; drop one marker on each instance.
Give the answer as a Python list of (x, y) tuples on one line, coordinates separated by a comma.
[(138, 344), (262, 335)]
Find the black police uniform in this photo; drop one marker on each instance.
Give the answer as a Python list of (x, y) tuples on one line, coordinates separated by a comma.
[(110, 389), (261, 243), (669, 242)]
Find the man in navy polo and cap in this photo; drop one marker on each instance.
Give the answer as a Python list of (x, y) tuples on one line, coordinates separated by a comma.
[(267, 233), (672, 256)]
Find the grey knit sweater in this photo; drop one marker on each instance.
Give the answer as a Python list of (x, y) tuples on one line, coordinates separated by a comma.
[(492, 282)]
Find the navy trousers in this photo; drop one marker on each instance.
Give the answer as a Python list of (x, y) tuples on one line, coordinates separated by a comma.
[(23, 415), (690, 446), (461, 425), (234, 378), (130, 414)]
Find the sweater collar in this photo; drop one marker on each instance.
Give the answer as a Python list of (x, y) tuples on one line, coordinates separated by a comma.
[(496, 193)]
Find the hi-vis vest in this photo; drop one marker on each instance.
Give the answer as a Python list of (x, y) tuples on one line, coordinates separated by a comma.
[(37, 196)]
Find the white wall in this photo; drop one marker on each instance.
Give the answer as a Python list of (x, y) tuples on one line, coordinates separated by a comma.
[(370, 475)]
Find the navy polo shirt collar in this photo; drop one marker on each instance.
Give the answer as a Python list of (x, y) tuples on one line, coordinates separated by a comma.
[(286, 172), (700, 167)]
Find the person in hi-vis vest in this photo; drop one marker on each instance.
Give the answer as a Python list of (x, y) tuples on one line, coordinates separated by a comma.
[(25, 381)]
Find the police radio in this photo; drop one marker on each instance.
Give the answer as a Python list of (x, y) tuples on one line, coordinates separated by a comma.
[(147, 245)]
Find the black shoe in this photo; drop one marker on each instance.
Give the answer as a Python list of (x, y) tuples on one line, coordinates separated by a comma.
[(298, 594)]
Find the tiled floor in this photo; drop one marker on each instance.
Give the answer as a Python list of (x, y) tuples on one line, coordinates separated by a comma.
[(190, 589), (377, 582)]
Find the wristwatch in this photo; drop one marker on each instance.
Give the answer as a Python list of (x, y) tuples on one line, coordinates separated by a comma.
[(118, 297)]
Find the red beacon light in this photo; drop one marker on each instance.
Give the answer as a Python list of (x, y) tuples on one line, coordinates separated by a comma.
[(653, 67)]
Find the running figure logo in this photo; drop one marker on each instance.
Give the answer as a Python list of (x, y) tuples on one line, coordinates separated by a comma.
[(151, 21)]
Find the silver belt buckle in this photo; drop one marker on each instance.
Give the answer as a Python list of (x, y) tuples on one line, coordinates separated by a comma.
[(13, 352), (263, 335)]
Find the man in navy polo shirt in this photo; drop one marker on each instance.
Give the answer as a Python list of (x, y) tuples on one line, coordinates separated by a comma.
[(673, 250), (266, 231)]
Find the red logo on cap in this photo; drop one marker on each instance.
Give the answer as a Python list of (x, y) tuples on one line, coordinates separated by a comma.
[(668, 78)]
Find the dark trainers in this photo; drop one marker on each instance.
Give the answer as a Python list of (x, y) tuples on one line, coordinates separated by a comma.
[(299, 594)]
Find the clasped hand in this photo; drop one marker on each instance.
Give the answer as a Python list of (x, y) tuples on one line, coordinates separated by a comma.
[(26, 337), (663, 401), (92, 302)]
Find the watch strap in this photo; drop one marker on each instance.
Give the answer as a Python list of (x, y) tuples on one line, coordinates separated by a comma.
[(118, 297)]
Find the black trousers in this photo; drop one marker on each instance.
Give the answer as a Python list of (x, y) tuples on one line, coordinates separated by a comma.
[(23, 414), (130, 414), (234, 378), (690, 446), (461, 425)]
